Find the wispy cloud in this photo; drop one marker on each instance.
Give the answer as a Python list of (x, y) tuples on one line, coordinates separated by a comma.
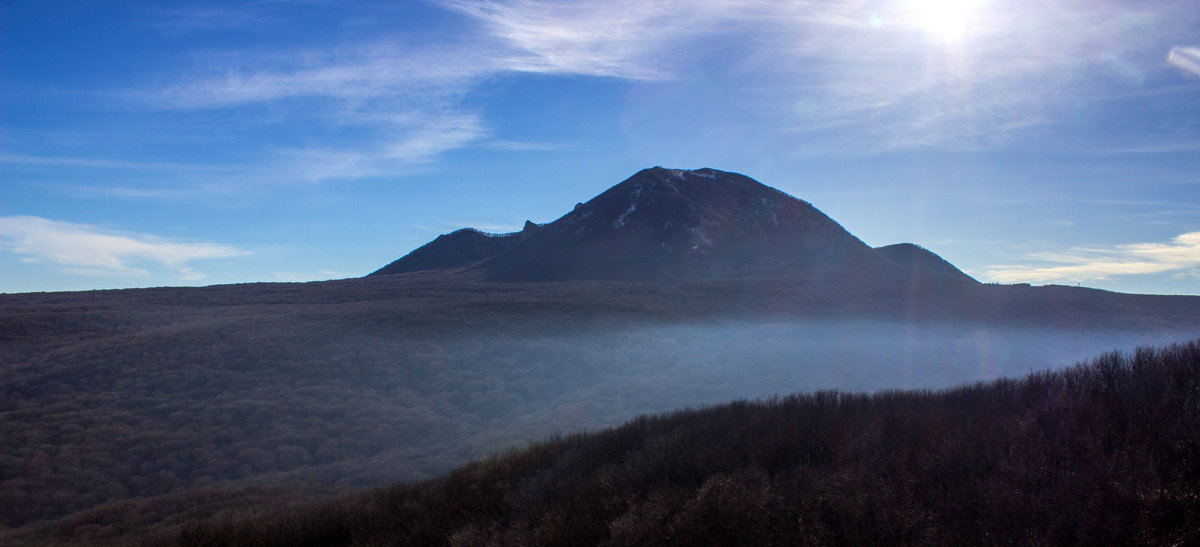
[(65, 161), (522, 146), (399, 144), (403, 100), (823, 69), (410, 142), (402, 73), (435, 135), (88, 250), (1186, 59), (632, 40), (210, 18), (1180, 256), (256, 16), (819, 64)]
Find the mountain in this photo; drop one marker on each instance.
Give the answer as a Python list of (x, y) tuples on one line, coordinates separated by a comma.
[(663, 224)]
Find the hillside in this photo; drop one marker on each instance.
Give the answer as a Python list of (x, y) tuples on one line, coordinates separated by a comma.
[(921, 265), (457, 249), (1104, 453), (168, 403)]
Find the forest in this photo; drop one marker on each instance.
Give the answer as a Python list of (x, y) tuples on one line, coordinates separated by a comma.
[(1101, 453), (130, 410)]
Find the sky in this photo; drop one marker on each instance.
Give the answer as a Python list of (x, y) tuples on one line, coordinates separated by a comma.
[(196, 143)]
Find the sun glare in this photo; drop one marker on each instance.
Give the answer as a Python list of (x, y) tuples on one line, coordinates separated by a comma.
[(944, 19)]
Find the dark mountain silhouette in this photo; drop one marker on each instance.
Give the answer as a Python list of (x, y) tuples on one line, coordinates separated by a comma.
[(663, 224)]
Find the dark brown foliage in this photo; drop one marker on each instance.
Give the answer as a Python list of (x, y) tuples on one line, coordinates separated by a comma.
[(1106, 453)]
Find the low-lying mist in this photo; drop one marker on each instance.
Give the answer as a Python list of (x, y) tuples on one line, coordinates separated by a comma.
[(1104, 453), (588, 381)]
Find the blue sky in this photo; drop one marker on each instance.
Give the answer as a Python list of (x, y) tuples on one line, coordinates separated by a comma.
[(149, 144)]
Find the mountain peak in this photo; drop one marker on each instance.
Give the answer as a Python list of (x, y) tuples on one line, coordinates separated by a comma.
[(721, 196), (679, 223), (703, 172)]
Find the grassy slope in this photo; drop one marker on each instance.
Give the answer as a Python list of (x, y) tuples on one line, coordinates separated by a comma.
[(1105, 453)]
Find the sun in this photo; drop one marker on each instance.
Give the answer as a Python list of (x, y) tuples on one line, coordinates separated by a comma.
[(946, 20)]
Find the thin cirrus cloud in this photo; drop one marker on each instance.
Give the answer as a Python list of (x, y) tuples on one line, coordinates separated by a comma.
[(402, 73), (1186, 59), (28, 159), (409, 140), (817, 68), (1180, 256), (635, 40), (412, 142), (404, 100), (87, 250), (185, 21)]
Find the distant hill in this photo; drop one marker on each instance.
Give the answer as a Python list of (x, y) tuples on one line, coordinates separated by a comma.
[(916, 262), (679, 224), (457, 249)]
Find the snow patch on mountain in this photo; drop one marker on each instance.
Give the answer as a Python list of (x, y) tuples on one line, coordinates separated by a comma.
[(700, 239), (770, 208), (620, 222), (678, 173)]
